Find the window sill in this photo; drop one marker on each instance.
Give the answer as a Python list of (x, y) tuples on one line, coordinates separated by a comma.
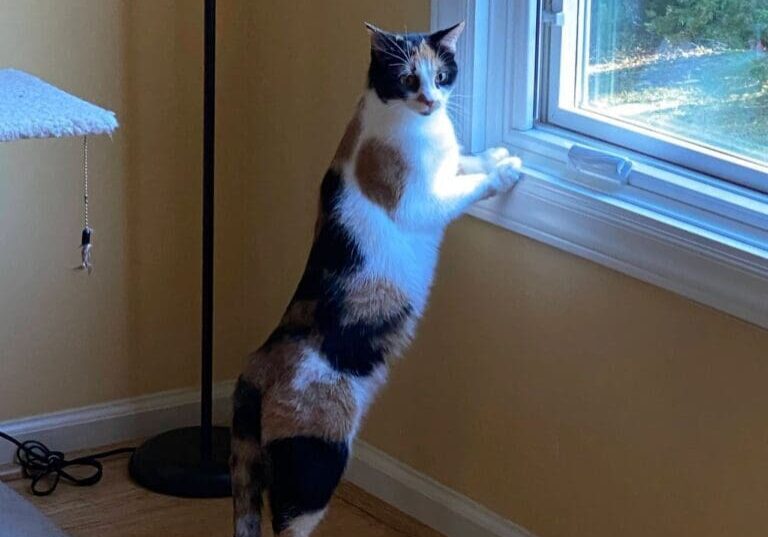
[(686, 249)]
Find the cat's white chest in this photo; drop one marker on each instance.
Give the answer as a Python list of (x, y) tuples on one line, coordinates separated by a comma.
[(406, 258), (428, 145), (409, 261), (401, 245)]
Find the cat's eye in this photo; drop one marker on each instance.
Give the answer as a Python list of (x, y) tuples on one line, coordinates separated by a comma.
[(411, 82), (441, 77)]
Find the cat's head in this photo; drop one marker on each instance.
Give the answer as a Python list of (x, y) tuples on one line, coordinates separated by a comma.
[(417, 69)]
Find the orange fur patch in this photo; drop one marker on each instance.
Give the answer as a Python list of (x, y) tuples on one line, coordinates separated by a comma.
[(320, 409), (368, 300), (427, 54), (380, 171), (245, 454), (396, 342), (273, 364)]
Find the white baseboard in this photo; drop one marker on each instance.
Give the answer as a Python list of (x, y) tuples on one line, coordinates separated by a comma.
[(114, 421), (421, 497), (431, 503)]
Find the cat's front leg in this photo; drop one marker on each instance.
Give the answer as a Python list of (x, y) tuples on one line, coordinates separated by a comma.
[(458, 193), (504, 176), (484, 162)]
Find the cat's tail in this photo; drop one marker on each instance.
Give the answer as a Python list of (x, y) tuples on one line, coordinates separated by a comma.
[(247, 463)]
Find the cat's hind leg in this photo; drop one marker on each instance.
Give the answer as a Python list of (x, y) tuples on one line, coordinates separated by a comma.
[(305, 473), (247, 464)]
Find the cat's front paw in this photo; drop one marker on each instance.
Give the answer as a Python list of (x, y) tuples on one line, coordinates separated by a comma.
[(505, 175), (492, 157)]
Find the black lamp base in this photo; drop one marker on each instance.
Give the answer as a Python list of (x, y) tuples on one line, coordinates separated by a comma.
[(170, 463)]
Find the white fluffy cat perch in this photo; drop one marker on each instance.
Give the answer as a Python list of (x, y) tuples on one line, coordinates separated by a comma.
[(32, 108)]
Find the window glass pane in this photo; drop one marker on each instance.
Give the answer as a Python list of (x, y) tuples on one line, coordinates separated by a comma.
[(694, 69)]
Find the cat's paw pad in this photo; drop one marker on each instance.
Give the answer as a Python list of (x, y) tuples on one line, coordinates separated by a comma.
[(493, 156), (507, 173)]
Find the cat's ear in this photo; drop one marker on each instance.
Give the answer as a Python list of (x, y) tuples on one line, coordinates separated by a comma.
[(379, 38), (447, 38), (372, 30)]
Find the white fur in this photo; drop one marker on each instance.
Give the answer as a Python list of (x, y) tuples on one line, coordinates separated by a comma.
[(407, 258), (427, 72), (365, 389), (246, 525), (313, 368), (303, 525)]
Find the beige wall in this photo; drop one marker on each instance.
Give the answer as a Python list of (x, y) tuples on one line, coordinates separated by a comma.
[(572, 399), (64, 338), (578, 401)]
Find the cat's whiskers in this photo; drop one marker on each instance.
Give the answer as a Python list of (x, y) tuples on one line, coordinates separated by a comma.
[(464, 102), (400, 62), (458, 107), (388, 53), (459, 115), (458, 119), (403, 54)]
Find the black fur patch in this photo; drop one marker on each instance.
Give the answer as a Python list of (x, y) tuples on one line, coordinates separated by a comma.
[(334, 253), (448, 57), (451, 68), (386, 68), (335, 256), (305, 472), (287, 332), (355, 348), (246, 419)]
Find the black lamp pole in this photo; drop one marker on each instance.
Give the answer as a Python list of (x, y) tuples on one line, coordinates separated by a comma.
[(193, 461), (209, 136)]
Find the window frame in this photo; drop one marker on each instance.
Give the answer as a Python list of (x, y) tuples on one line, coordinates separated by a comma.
[(562, 94), (678, 228)]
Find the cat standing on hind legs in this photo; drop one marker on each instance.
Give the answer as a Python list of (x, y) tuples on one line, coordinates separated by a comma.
[(397, 180)]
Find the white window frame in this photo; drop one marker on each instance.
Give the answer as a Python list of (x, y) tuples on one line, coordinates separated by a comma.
[(676, 227), (565, 86)]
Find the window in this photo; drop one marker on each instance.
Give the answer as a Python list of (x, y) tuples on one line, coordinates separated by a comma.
[(683, 81), (643, 130)]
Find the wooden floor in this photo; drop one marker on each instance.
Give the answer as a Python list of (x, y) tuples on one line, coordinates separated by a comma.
[(118, 508)]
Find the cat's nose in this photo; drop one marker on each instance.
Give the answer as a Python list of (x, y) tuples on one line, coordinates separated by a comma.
[(426, 100)]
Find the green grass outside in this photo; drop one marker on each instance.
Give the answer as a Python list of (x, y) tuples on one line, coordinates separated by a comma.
[(716, 99)]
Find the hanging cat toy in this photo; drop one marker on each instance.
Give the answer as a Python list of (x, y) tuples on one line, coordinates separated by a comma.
[(86, 247), (32, 108)]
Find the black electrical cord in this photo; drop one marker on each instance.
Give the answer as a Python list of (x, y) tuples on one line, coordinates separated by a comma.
[(43, 465)]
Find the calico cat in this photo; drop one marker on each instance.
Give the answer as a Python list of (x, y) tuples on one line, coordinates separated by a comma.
[(396, 181)]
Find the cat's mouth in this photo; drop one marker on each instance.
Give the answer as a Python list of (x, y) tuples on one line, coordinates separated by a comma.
[(428, 110)]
